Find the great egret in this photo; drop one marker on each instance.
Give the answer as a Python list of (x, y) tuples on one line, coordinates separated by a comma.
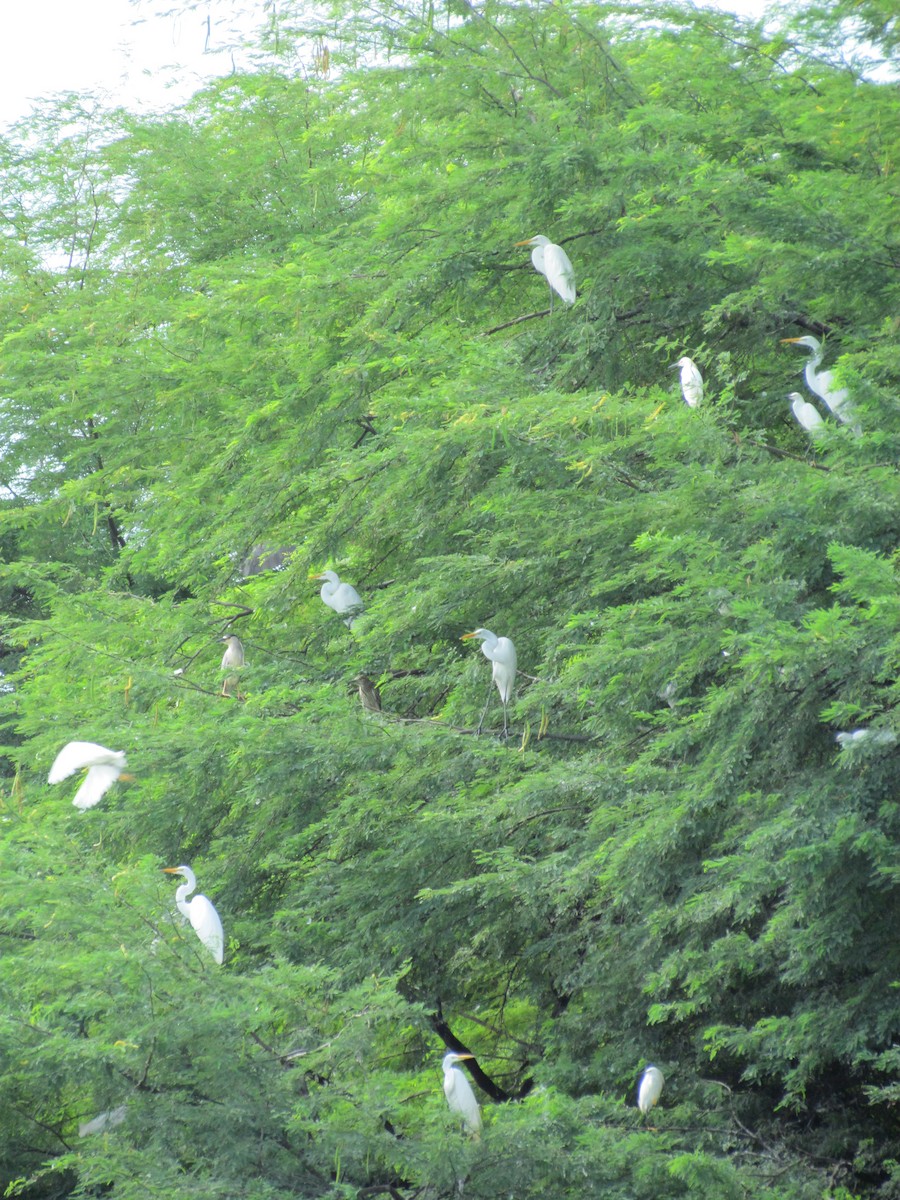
[(502, 654), (342, 597), (369, 695), (460, 1096), (877, 737), (649, 1088), (199, 912), (691, 381), (821, 382), (103, 766), (233, 657), (553, 263), (102, 1122), (807, 414)]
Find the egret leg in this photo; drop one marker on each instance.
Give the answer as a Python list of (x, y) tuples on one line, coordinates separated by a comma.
[(484, 710), (505, 729)]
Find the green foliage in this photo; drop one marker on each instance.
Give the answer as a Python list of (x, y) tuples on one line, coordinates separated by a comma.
[(291, 318)]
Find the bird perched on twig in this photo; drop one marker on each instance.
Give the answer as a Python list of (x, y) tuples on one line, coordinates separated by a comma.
[(502, 654), (103, 767), (369, 695), (553, 263), (649, 1088), (691, 381), (342, 597), (806, 414), (200, 912), (460, 1096), (232, 659)]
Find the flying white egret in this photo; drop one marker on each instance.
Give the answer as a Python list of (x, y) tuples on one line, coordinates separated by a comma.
[(502, 653), (199, 912), (553, 263), (649, 1088), (233, 657), (460, 1096), (877, 737), (102, 1122), (807, 414), (342, 597), (103, 766), (691, 381), (822, 382)]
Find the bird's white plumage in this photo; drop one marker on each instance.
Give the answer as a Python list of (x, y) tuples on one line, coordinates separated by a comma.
[(342, 597), (102, 1122), (234, 652), (806, 414), (554, 264), (649, 1088), (502, 654), (822, 382), (200, 912), (103, 769), (691, 381), (458, 1091)]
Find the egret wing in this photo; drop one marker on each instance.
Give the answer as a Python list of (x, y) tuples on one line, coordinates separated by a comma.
[(208, 926), (77, 755), (95, 784), (345, 598), (560, 273)]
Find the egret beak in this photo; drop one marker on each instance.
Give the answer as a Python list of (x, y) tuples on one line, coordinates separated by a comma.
[(316, 576), (672, 367), (527, 242), (171, 870), (465, 637), (785, 340), (127, 778), (465, 1056)]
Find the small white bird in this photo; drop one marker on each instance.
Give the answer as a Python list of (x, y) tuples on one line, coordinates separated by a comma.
[(342, 597), (807, 414), (200, 912), (822, 382), (232, 658), (691, 381), (553, 263), (502, 653), (103, 766), (460, 1096), (649, 1088)]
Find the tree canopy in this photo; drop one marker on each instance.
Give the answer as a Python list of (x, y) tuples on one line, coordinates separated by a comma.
[(285, 329)]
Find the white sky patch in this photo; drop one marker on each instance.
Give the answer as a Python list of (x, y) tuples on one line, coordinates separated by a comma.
[(118, 51), (124, 53)]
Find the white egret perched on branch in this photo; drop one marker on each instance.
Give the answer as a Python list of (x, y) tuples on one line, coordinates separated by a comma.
[(691, 381), (553, 263), (649, 1089), (502, 654), (342, 597), (460, 1096), (199, 912), (232, 658), (822, 382), (807, 414), (103, 766)]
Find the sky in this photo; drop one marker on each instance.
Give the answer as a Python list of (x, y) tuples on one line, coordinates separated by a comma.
[(117, 49), (122, 51)]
